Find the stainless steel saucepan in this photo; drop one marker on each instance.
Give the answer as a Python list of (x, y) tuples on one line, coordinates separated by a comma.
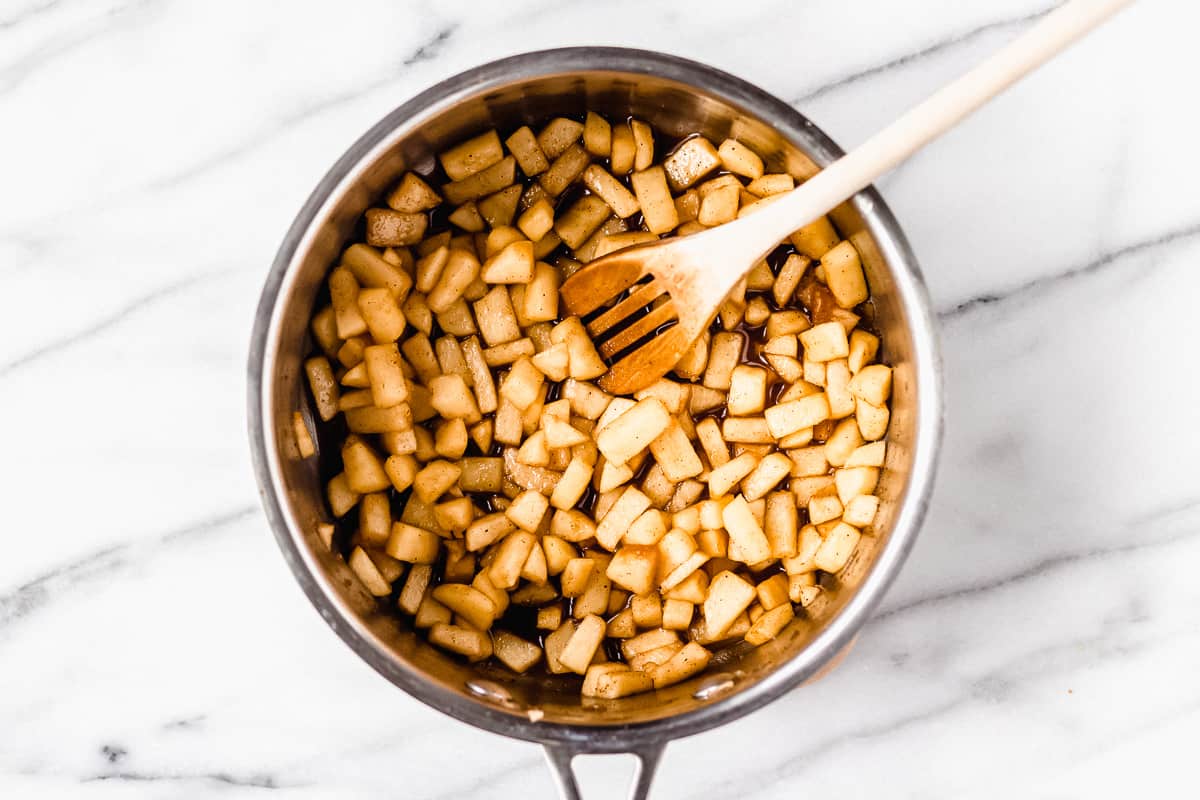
[(678, 97)]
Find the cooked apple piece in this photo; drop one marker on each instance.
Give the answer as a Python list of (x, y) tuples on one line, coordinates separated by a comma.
[(558, 135), (472, 156), (619, 199), (643, 142), (524, 146), (480, 474), (323, 385), (836, 548), (455, 516), (690, 162), (510, 557), (780, 524), (468, 602), (787, 418), (364, 469), (374, 519), (708, 432), (385, 373), (860, 511), (597, 135), (825, 342), (549, 618), (413, 195), (558, 553), (628, 507), (509, 352), (514, 652), (554, 362), (689, 661), (633, 567), (766, 475), (565, 170), (815, 239), (674, 454), (719, 206), (844, 274), (674, 549), (575, 576), (868, 455), (863, 347), (768, 626), (770, 184), (412, 544), (416, 311), (747, 390), (500, 207), (648, 641), (872, 420), (872, 383), (460, 271), (485, 182), (723, 478), (654, 199), (854, 481), (724, 354), (582, 647), (747, 430), (585, 362), (741, 160), (554, 644), (474, 644), (527, 510), (728, 596), (595, 597), (415, 586), (388, 228), (429, 268), (746, 537), (367, 573), (305, 445), (623, 151), (633, 431), (513, 264), (467, 217), (649, 527), (488, 529)]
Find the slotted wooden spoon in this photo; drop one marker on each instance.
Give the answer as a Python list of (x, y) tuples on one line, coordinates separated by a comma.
[(695, 273)]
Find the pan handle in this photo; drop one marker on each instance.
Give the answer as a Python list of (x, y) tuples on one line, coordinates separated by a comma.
[(560, 756)]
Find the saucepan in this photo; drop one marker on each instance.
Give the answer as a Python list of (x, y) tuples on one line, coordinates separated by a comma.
[(679, 97)]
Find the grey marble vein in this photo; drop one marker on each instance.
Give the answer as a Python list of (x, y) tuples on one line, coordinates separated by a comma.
[(24, 600), (27, 14), (225, 778), (114, 319), (67, 42), (473, 788), (425, 51), (989, 687), (918, 55), (1098, 264), (1036, 570)]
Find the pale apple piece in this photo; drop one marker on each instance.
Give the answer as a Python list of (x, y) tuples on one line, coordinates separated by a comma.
[(836, 548), (728, 596)]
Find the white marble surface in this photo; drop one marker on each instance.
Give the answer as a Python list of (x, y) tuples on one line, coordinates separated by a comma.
[(1044, 639)]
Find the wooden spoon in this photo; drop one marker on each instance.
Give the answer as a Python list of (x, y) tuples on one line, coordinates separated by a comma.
[(696, 272)]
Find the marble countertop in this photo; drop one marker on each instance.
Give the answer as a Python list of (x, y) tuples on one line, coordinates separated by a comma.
[(1044, 638)]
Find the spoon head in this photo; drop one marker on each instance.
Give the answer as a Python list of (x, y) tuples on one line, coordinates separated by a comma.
[(648, 363), (601, 281)]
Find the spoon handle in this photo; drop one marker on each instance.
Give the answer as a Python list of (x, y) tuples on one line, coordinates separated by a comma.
[(931, 118)]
